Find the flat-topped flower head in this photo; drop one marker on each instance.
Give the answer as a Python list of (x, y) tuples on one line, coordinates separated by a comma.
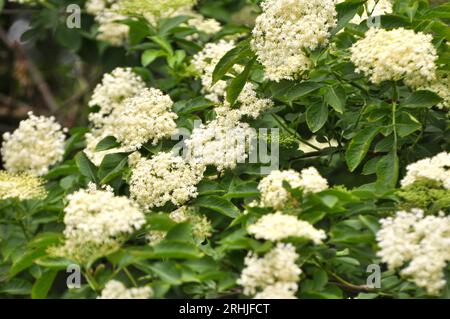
[(164, 178), (34, 146), (21, 186), (116, 290), (397, 54), (286, 30)]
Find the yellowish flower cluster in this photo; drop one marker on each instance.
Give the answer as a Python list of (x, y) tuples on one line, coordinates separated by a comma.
[(201, 226), (435, 168), (286, 30), (156, 8), (397, 54), (164, 178), (34, 146), (273, 194), (279, 226), (116, 290), (276, 274), (21, 186), (420, 242)]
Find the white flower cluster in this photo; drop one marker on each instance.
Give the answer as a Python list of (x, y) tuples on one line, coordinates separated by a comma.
[(249, 105), (273, 194), (204, 63), (286, 29), (373, 8), (279, 226), (21, 186), (421, 242), (29, 2), (130, 112), (107, 16), (98, 216), (116, 290), (164, 178), (276, 274), (435, 168), (34, 146), (395, 55), (120, 84), (145, 117), (220, 144)]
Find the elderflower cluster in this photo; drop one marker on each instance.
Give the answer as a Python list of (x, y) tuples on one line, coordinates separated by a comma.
[(107, 16), (286, 29), (397, 54), (29, 2), (279, 226), (116, 290), (164, 178), (220, 144), (249, 104), (421, 242), (97, 223), (21, 186), (120, 84), (34, 146), (145, 117), (273, 194), (276, 273), (435, 168), (109, 96), (204, 63), (99, 216), (133, 116)]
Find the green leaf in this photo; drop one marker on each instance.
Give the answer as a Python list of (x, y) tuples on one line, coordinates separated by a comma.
[(54, 262), (112, 166), (107, 143), (175, 250), (345, 12), (86, 167), (168, 272), (25, 261), (16, 286), (167, 25), (43, 240), (163, 43), (197, 104), (300, 89), (359, 146), (139, 29), (242, 190), (335, 96), (407, 124), (69, 38), (237, 84), (235, 55), (148, 56), (43, 284), (180, 232), (419, 99), (218, 204), (316, 116), (387, 172)]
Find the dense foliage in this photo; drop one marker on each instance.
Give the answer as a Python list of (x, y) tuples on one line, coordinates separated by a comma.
[(349, 98)]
